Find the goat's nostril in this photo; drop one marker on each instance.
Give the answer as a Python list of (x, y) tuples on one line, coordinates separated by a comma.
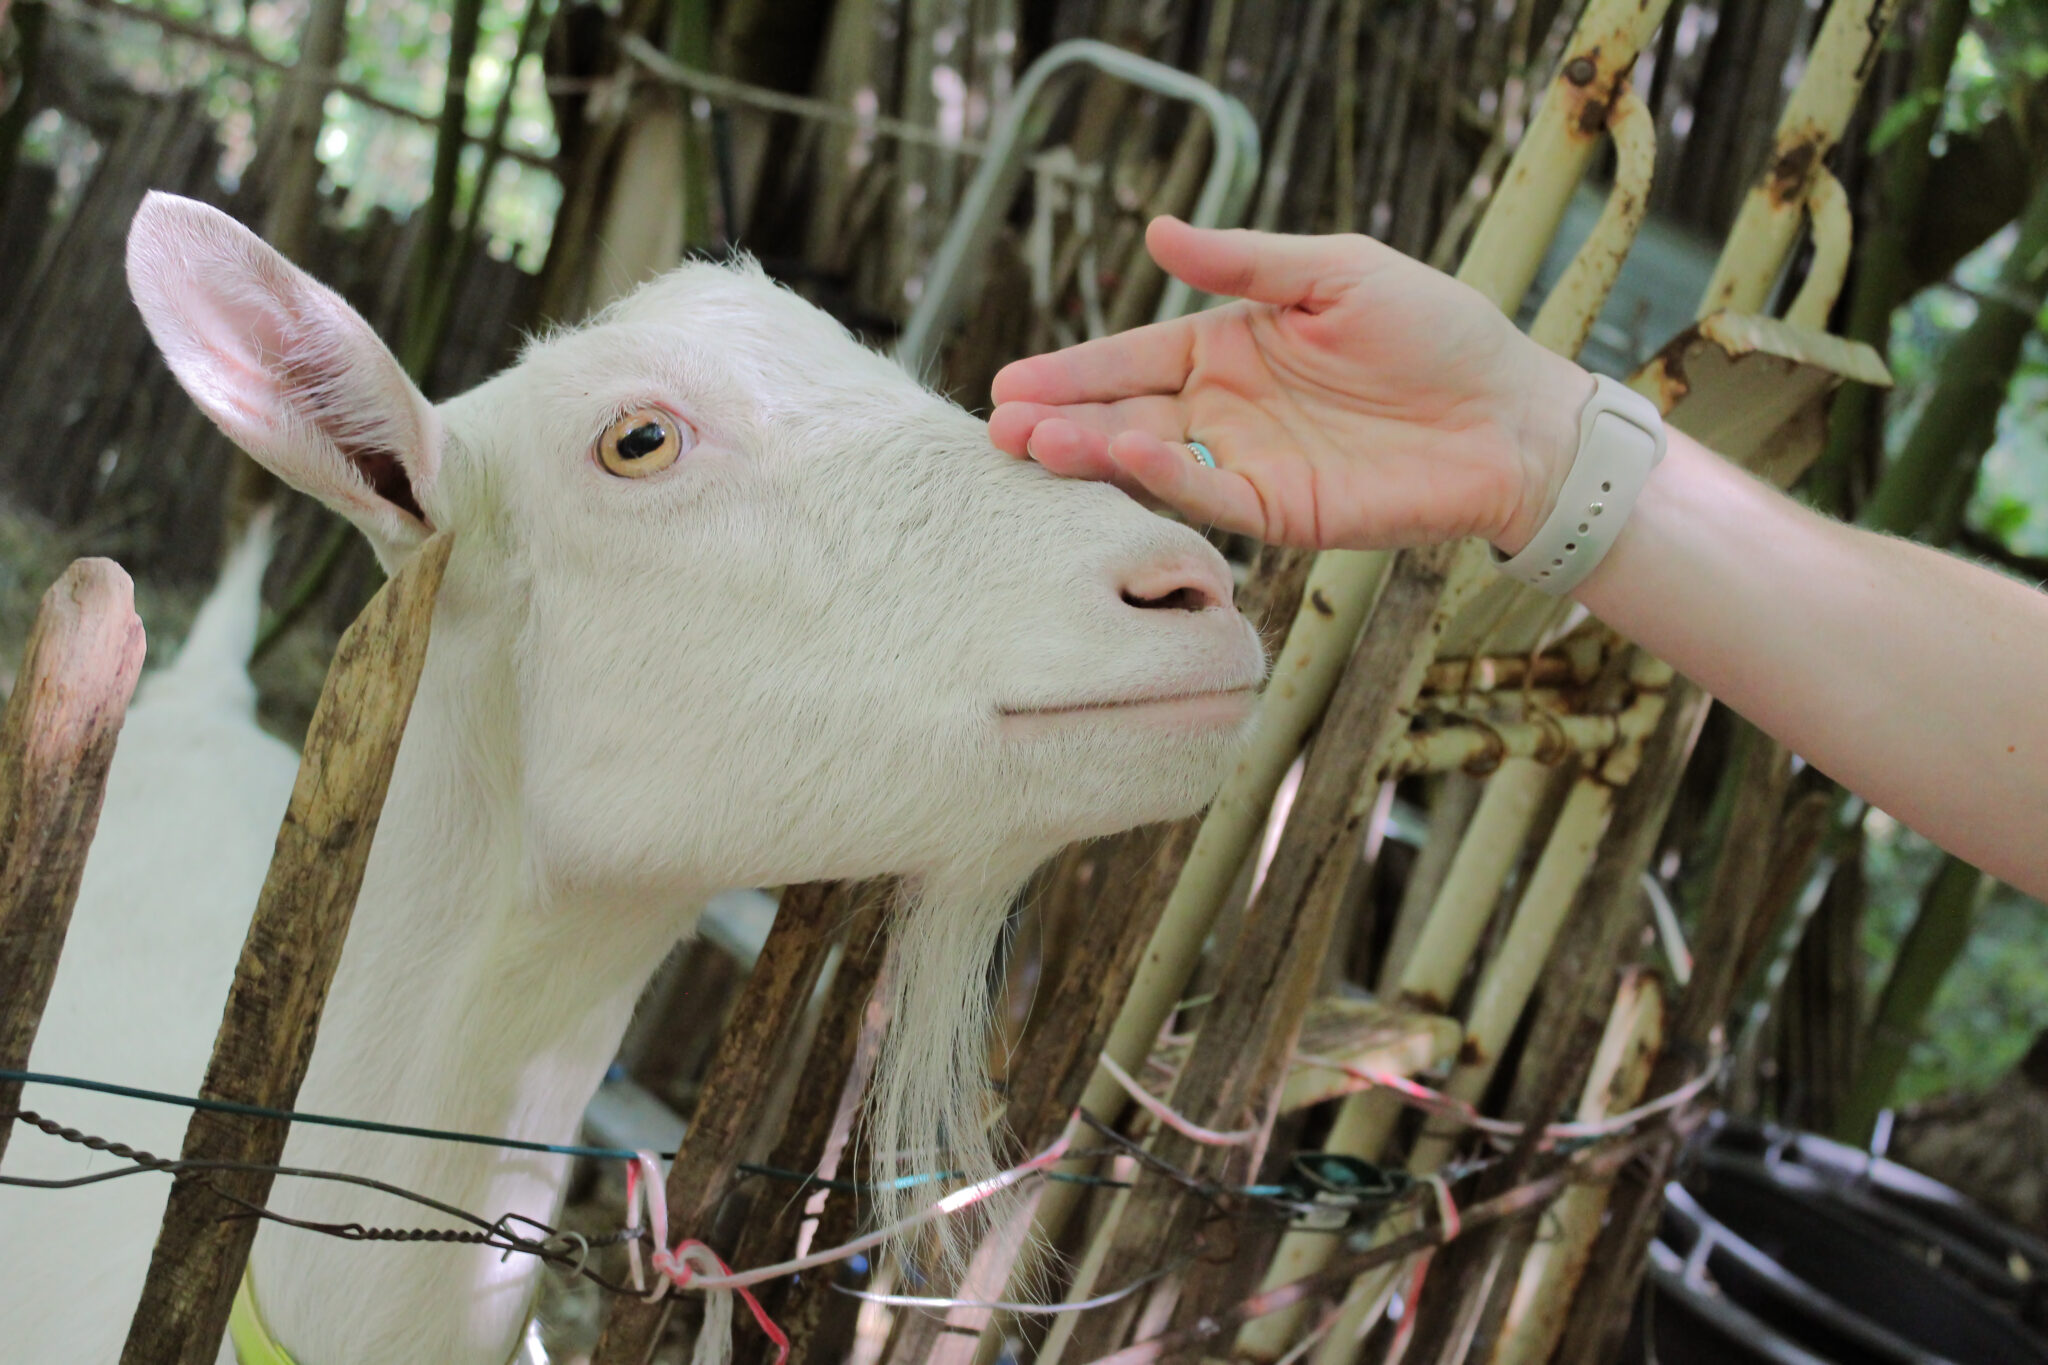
[(1176, 584)]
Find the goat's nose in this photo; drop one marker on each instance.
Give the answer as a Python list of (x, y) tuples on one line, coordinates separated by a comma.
[(1177, 582)]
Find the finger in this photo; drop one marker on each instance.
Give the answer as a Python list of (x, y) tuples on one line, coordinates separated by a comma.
[(1145, 360), (1073, 451), (1166, 470), (1011, 425), (1266, 267)]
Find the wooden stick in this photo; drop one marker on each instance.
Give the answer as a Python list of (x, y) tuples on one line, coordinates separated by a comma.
[(770, 1233), (287, 964), (56, 743), (731, 1104), (1476, 745)]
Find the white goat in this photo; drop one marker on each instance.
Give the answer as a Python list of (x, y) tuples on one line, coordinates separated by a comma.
[(733, 602)]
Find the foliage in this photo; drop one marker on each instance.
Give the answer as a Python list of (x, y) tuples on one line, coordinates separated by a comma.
[(397, 51), (2010, 504), (2001, 59), (1996, 998)]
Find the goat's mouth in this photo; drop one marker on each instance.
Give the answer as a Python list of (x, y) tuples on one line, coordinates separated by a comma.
[(1220, 708)]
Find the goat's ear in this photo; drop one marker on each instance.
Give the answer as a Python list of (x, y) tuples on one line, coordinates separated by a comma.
[(289, 371)]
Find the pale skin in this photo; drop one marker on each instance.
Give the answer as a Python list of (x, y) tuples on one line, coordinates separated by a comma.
[(1353, 398)]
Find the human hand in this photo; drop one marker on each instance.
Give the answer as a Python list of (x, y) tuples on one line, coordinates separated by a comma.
[(1352, 397)]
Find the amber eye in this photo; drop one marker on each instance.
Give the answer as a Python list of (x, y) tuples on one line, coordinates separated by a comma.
[(645, 441)]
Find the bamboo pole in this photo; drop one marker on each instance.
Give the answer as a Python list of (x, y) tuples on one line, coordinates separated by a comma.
[(1450, 935), (1832, 233), (1342, 586), (290, 168), (1956, 423), (1767, 228), (1557, 149), (287, 963), (1573, 305), (1451, 808), (1512, 972), (30, 23), (1350, 25), (1881, 272), (1478, 870), (1763, 771), (440, 298), (1504, 988), (1555, 1263), (1581, 979), (56, 744), (1543, 742), (1948, 909)]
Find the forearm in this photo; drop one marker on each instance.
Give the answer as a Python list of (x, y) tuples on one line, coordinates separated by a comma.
[(1913, 678)]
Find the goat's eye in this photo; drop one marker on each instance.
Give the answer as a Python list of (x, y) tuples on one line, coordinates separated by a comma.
[(644, 441)]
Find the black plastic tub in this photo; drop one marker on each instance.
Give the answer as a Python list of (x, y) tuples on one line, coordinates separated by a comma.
[(1792, 1250)]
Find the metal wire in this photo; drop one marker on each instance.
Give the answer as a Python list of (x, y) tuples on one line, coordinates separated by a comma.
[(566, 1251)]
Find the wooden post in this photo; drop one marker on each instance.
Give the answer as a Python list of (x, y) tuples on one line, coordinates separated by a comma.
[(735, 1094), (287, 964), (770, 1233), (56, 743)]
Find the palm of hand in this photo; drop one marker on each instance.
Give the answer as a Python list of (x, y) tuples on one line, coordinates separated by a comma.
[(1378, 420), (1366, 401)]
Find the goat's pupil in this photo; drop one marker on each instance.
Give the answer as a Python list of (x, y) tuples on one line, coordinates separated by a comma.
[(641, 441)]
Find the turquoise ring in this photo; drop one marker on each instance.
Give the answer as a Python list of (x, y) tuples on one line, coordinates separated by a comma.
[(1201, 452)]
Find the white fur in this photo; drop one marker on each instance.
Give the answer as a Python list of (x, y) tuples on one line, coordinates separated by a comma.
[(785, 659)]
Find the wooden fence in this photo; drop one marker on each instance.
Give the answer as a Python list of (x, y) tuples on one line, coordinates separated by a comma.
[(1545, 753)]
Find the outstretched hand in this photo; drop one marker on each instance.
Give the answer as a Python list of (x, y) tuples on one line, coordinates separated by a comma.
[(1352, 398)]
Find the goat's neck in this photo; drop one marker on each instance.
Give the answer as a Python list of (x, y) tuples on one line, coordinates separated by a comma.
[(470, 997)]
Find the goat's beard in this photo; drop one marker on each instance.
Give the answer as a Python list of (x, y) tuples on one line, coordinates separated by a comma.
[(931, 1108)]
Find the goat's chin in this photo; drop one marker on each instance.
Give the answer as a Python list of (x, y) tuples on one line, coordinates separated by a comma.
[(1099, 781)]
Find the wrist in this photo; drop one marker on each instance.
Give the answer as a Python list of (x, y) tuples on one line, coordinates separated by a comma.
[(1546, 441), (1621, 439)]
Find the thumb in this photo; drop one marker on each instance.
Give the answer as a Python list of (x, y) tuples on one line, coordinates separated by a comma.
[(1265, 267)]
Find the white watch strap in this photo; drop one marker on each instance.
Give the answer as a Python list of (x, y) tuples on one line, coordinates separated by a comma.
[(1621, 439)]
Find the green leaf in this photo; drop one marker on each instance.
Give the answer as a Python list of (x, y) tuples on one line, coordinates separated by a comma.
[(2006, 516), (1901, 117)]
